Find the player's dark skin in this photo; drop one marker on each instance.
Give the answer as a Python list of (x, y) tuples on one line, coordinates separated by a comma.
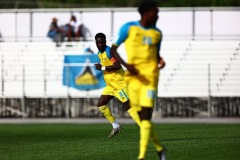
[(104, 99), (148, 19)]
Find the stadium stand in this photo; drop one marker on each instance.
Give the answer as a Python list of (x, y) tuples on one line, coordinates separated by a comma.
[(199, 69)]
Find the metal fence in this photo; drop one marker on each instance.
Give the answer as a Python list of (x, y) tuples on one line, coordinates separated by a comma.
[(86, 107)]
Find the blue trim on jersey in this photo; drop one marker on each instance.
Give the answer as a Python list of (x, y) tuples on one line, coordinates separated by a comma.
[(107, 50), (123, 33), (122, 93), (159, 44), (125, 94)]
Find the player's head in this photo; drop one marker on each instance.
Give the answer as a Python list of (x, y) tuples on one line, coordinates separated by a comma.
[(54, 19), (148, 10), (100, 40), (73, 18)]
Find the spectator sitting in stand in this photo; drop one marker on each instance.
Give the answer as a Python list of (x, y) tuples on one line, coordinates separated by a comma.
[(75, 30), (56, 33)]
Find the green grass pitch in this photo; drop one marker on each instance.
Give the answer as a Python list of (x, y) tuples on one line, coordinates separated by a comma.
[(89, 142)]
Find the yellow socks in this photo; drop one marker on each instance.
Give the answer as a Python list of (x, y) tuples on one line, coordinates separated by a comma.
[(133, 113), (156, 141), (106, 112), (145, 134)]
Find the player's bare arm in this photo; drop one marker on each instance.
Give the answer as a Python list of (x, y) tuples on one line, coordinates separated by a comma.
[(162, 63), (116, 65), (116, 55), (98, 66)]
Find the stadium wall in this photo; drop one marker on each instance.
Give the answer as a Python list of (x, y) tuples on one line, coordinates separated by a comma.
[(176, 23)]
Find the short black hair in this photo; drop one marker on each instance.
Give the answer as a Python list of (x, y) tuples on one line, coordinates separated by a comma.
[(100, 35), (146, 5)]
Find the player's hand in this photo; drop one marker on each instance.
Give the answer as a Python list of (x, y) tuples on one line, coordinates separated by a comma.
[(98, 66), (132, 69), (161, 63)]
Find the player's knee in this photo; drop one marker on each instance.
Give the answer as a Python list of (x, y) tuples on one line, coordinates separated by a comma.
[(145, 113), (101, 103), (102, 108), (126, 105), (146, 124)]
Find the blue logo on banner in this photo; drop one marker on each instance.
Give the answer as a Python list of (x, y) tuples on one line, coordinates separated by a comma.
[(80, 73)]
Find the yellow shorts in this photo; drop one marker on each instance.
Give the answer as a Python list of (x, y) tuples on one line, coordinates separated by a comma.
[(120, 94), (141, 93)]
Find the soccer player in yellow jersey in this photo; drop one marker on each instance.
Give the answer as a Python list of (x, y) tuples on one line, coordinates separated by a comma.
[(115, 84), (142, 43)]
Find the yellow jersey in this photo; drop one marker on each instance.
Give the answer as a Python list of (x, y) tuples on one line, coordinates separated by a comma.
[(142, 46), (114, 78)]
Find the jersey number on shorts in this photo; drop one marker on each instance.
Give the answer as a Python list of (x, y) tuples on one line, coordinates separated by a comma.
[(151, 94)]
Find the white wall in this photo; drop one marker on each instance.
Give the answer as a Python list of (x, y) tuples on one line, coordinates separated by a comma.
[(203, 23), (184, 24), (8, 24), (97, 22), (227, 22)]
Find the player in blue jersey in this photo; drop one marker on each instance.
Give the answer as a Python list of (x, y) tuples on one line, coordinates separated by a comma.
[(115, 84), (142, 43)]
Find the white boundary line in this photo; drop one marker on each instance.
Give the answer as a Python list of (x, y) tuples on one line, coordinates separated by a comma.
[(122, 121)]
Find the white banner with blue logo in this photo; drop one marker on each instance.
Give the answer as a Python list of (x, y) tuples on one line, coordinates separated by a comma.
[(79, 72)]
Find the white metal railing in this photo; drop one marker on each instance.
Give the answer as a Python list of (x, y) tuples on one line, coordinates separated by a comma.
[(193, 72)]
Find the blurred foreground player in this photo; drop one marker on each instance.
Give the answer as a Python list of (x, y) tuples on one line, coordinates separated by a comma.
[(142, 42)]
